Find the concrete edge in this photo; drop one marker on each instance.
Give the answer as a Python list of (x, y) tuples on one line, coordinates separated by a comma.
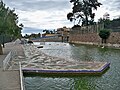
[(78, 71), (21, 77)]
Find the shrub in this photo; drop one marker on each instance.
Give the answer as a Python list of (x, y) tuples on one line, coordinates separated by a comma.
[(104, 34)]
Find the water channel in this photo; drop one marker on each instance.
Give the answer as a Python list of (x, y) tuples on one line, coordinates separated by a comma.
[(108, 81)]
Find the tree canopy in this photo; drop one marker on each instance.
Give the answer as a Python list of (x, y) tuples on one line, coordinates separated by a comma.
[(82, 11), (104, 34), (9, 21), (111, 24), (49, 31)]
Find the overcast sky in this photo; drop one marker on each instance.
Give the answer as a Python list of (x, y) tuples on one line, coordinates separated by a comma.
[(51, 14)]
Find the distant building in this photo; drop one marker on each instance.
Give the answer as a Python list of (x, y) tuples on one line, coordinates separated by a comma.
[(63, 31)]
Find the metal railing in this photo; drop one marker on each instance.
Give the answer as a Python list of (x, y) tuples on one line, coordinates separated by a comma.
[(87, 29), (7, 60), (5, 39)]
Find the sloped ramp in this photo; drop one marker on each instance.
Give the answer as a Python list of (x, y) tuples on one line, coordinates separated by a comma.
[(90, 68)]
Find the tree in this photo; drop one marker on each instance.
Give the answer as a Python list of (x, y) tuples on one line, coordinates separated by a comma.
[(46, 31), (105, 20), (8, 23), (104, 34), (115, 23), (27, 36), (82, 11)]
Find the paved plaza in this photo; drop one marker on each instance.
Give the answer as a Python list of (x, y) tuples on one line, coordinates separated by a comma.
[(10, 79)]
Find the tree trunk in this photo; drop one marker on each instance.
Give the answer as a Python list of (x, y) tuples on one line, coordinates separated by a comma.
[(102, 40), (86, 20), (3, 45), (62, 38), (1, 50), (105, 41)]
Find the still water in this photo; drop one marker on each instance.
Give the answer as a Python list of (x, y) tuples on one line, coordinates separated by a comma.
[(108, 81)]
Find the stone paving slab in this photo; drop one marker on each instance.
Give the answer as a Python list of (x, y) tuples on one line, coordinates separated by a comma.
[(37, 60), (10, 79), (1, 60)]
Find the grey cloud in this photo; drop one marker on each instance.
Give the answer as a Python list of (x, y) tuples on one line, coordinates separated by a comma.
[(25, 19), (31, 30), (56, 21), (117, 4), (55, 4), (39, 4), (112, 5)]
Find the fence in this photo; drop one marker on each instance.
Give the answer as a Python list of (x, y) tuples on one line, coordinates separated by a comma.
[(8, 58), (87, 29), (5, 38), (115, 29)]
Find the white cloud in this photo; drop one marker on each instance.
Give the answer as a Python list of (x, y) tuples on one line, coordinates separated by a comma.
[(43, 19), (49, 14)]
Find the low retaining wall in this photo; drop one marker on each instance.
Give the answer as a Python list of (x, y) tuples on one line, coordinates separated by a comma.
[(114, 38), (94, 38)]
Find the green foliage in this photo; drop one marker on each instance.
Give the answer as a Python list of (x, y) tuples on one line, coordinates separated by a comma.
[(107, 22), (49, 31), (104, 34), (33, 35), (75, 26), (82, 11), (9, 22), (110, 24), (27, 36), (116, 22)]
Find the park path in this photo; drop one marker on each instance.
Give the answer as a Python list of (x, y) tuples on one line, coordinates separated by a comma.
[(10, 79)]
